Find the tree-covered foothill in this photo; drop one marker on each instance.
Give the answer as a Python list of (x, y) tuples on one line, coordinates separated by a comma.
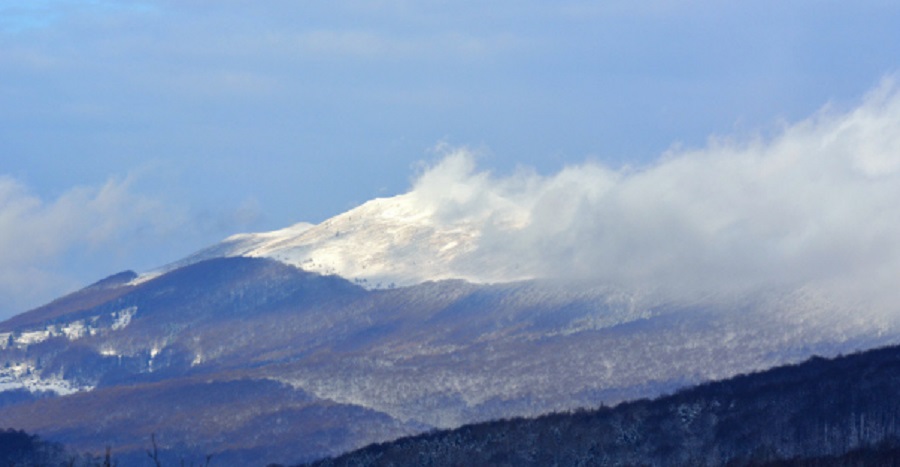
[(844, 411)]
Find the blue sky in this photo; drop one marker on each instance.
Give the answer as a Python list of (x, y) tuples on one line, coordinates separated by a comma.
[(135, 132)]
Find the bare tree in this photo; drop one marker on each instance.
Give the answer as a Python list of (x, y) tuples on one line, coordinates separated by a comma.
[(154, 455)]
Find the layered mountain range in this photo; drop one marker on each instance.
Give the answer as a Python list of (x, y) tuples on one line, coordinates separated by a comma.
[(292, 345), (823, 412)]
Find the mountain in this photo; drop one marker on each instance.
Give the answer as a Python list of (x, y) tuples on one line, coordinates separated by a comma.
[(822, 412), (386, 242), (293, 345)]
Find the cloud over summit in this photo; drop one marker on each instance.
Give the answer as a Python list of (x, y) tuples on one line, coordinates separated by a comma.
[(815, 204)]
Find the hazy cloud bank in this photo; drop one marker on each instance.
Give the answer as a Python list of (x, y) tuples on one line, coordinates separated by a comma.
[(817, 204), (36, 234)]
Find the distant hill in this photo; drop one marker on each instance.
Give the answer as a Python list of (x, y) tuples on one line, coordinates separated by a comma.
[(844, 411), (251, 359)]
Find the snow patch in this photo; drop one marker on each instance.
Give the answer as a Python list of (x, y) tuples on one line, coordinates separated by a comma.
[(75, 330), (72, 331), (25, 376), (144, 277), (122, 318), (27, 338)]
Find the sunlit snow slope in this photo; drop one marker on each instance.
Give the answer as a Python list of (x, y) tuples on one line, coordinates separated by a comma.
[(383, 243)]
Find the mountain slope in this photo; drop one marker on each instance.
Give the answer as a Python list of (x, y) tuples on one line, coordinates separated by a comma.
[(96, 294), (386, 242), (472, 346), (238, 419), (822, 410), (175, 356), (378, 363)]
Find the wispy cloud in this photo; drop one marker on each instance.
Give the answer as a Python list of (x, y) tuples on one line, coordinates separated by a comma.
[(36, 233), (814, 205)]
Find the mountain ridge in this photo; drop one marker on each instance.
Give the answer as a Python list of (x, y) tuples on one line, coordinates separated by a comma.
[(403, 358), (434, 355), (383, 243)]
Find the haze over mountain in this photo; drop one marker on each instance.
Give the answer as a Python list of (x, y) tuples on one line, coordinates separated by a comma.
[(474, 297), (591, 247), (171, 125), (812, 206)]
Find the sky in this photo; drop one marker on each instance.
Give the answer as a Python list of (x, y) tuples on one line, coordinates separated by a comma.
[(133, 133)]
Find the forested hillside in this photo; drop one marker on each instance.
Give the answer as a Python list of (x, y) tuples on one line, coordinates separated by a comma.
[(843, 411), (18, 448)]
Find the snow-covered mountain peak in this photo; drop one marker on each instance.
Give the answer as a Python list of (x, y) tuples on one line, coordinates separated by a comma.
[(382, 243)]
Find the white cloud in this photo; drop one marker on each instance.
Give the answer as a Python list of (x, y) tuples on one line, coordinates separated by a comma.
[(92, 221), (815, 205)]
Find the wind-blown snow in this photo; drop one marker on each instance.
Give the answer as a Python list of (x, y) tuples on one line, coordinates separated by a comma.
[(814, 206)]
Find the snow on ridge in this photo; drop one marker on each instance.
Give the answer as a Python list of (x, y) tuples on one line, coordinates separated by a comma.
[(383, 243), (235, 245)]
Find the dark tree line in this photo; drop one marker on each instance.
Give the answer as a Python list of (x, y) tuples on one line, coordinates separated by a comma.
[(18, 448), (844, 411), (21, 449)]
